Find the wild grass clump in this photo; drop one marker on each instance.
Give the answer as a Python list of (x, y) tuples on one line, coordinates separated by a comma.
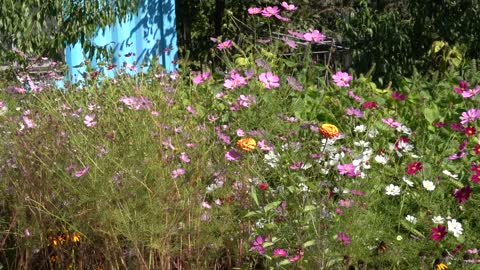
[(260, 165)]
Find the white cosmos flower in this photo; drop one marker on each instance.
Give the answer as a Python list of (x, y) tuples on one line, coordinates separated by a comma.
[(360, 129), (455, 227), (428, 185), (449, 174), (362, 143), (372, 133), (411, 219), (392, 190), (406, 180), (438, 220), (381, 159)]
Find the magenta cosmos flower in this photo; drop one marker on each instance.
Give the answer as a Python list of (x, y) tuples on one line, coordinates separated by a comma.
[(344, 239), (200, 78), (438, 233), (232, 155), (81, 172), (257, 244), (349, 169), (342, 79), (279, 252), (269, 80), (462, 195), (414, 167)]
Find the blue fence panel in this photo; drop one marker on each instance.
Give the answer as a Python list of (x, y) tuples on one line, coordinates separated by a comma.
[(148, 33)]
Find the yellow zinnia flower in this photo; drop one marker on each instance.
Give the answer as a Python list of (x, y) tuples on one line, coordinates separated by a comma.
[(441, 266), (329, 131), (247, 144), (75, 237)]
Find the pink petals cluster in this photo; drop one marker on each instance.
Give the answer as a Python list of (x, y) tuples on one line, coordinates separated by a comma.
[(227, 44), (342, 79), (272, 11), (234, 81), (136, 103), (202, 77), (348, 169), (470, 116), (466, 92)]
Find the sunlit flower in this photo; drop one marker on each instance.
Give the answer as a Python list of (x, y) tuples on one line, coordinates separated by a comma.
[(81, 172), (287, 6), (88, 121), (316, 36), (270, 11), (391, 122), (469, 116), (278, 252), (254, 10), (329, 131), (202, 77), (407, 181), (247, 144)]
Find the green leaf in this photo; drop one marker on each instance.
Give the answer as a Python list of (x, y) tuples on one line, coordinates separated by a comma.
[(252, 213), (253, 192), (431, 113), (271, 206), (284, 262), (309, 243), (309, 208)]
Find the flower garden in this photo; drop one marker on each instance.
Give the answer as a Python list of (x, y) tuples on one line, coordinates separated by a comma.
[(262, 164)]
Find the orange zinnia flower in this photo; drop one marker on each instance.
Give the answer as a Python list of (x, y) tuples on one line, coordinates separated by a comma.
[(247, 144), (329, 131)]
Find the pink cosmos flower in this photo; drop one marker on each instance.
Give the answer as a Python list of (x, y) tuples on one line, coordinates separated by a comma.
[(342, 79), (257, 244), (81, 172), (184, 157), (290, 7), (177, 172), (315, 36), (391, 122), (294, 84), (246, 100), (227, 44), (254, 10), (354, 112), (471, 92), (296, 165), (469, 116), (232, 155), (264, 146), (344, 239), (279, 252), (270, 11), (462, 86), (290, 43), (355, 97), (349, 169), (235, 81), (295, 257), (88, 121), (28, 122), (269, 80), (202, 77)]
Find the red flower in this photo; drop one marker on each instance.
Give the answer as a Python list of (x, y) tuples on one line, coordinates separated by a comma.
[(474, 167), (475, 178), (370, 105), (470, 131), (263, 186), (398, 96), (476, 149), (438, 233), (462, 195), (414, 167)]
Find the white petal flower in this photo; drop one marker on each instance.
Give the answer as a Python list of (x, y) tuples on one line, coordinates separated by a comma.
[(455, 227), (360, 129), (449, 174), (406, 180), (392, 190), (381, 159), (438, 220), (428, 185), (411, 219)]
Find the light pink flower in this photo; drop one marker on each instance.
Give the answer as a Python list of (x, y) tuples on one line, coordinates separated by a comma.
[(28, 122), (287, 6), (178, 172), (263, 145), (269, 80), (184, 157), (232, 155), (81, 172), (279, 252), (254, 10), (202, 77), (240, 132), (349, 169), (314, 36), (88, 121), (469, 116), (391, 122), (235, 81), (270, 11), (341, 79)]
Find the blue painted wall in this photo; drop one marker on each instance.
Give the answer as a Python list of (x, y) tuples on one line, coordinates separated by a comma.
[(150, 32)]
